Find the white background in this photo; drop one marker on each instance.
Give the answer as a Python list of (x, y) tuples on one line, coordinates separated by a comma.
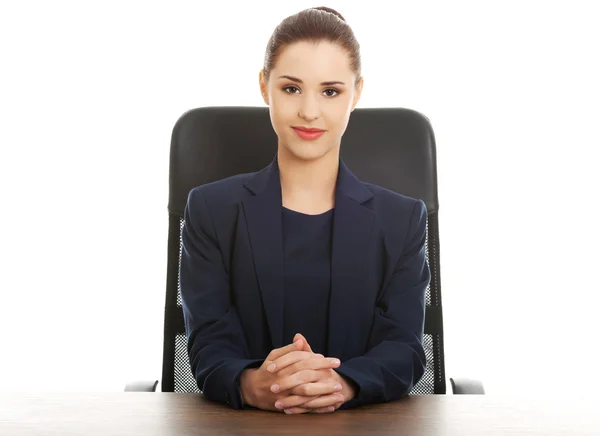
[(89, 93)]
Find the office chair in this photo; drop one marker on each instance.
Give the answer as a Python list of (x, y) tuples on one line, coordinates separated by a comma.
[(390, 147)]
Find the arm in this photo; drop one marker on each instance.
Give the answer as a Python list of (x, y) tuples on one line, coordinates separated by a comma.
[(217, 347), (396, 360)]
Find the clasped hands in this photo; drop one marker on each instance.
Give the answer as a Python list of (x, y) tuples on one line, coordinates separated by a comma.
[(293, 379)]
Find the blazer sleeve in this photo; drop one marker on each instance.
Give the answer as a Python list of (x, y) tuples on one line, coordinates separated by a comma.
[(217, 346), (395, 360)]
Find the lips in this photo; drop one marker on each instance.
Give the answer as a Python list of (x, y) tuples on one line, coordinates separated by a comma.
[(308, 129), (308, 133)]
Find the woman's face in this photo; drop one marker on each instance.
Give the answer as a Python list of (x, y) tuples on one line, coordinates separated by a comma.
[(311, 86)]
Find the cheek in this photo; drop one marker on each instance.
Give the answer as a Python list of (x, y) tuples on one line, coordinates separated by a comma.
[(337, 116), (283, 111)]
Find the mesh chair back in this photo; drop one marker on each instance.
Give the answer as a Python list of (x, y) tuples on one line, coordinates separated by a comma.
[(390, 147)]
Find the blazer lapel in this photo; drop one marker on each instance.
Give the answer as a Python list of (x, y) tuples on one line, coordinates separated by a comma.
[(263, 213), (353, 227)]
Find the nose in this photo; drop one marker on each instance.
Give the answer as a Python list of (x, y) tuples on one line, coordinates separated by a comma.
[(309, 109)]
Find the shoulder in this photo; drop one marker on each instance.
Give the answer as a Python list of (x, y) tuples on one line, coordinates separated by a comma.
[(220, 193), (389, 202), (398, 215)]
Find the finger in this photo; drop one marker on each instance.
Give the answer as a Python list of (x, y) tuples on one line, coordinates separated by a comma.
[(292, 401), (328, 409), (312, 403), (314, 362), (288, 359), (316, 388), (306, 346), (296, 379), (324, 409), (324, 401), (296, 410), (278, 352)]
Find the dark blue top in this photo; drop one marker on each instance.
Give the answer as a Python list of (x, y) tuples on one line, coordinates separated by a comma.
[(307, 281), (232, 284)]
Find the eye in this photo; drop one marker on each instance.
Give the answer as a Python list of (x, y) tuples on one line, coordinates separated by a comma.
[(291, 89), (331, 92)]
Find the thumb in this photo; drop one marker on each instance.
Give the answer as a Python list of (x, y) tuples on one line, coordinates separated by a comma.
[(306, 346)]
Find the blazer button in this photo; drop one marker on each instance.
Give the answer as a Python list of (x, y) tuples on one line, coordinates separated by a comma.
[(227, 397)]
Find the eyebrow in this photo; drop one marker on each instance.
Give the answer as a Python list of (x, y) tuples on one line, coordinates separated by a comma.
[(295, 79)]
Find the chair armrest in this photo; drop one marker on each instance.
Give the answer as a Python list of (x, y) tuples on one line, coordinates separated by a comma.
[(466, 386), (141, 386)]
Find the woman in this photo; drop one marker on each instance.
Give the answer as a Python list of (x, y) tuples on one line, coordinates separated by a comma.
[(301, 260)]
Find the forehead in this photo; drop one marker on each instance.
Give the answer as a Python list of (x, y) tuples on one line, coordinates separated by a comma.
[(322, 61)]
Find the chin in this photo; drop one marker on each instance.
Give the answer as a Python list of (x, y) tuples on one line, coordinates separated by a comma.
[(307, 151)]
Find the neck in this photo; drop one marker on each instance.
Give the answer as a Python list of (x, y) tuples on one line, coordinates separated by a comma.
[(310, 183)]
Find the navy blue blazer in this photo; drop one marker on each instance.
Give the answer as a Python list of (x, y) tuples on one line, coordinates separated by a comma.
[(232, 284)]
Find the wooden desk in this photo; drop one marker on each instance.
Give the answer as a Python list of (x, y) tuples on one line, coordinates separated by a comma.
[(169, 414)]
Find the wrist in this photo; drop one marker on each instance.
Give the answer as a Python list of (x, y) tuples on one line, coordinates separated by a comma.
[(349, 388), (245, 386)]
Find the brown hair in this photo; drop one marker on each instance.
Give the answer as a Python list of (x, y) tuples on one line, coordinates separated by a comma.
[(313, 25)]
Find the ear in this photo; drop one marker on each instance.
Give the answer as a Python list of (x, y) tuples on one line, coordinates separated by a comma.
[(357, 92), (263, 87)]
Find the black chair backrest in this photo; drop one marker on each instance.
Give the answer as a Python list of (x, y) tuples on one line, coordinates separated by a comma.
[(390, 147)]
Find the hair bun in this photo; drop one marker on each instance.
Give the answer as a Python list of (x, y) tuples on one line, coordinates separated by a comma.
[(331, 11)]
